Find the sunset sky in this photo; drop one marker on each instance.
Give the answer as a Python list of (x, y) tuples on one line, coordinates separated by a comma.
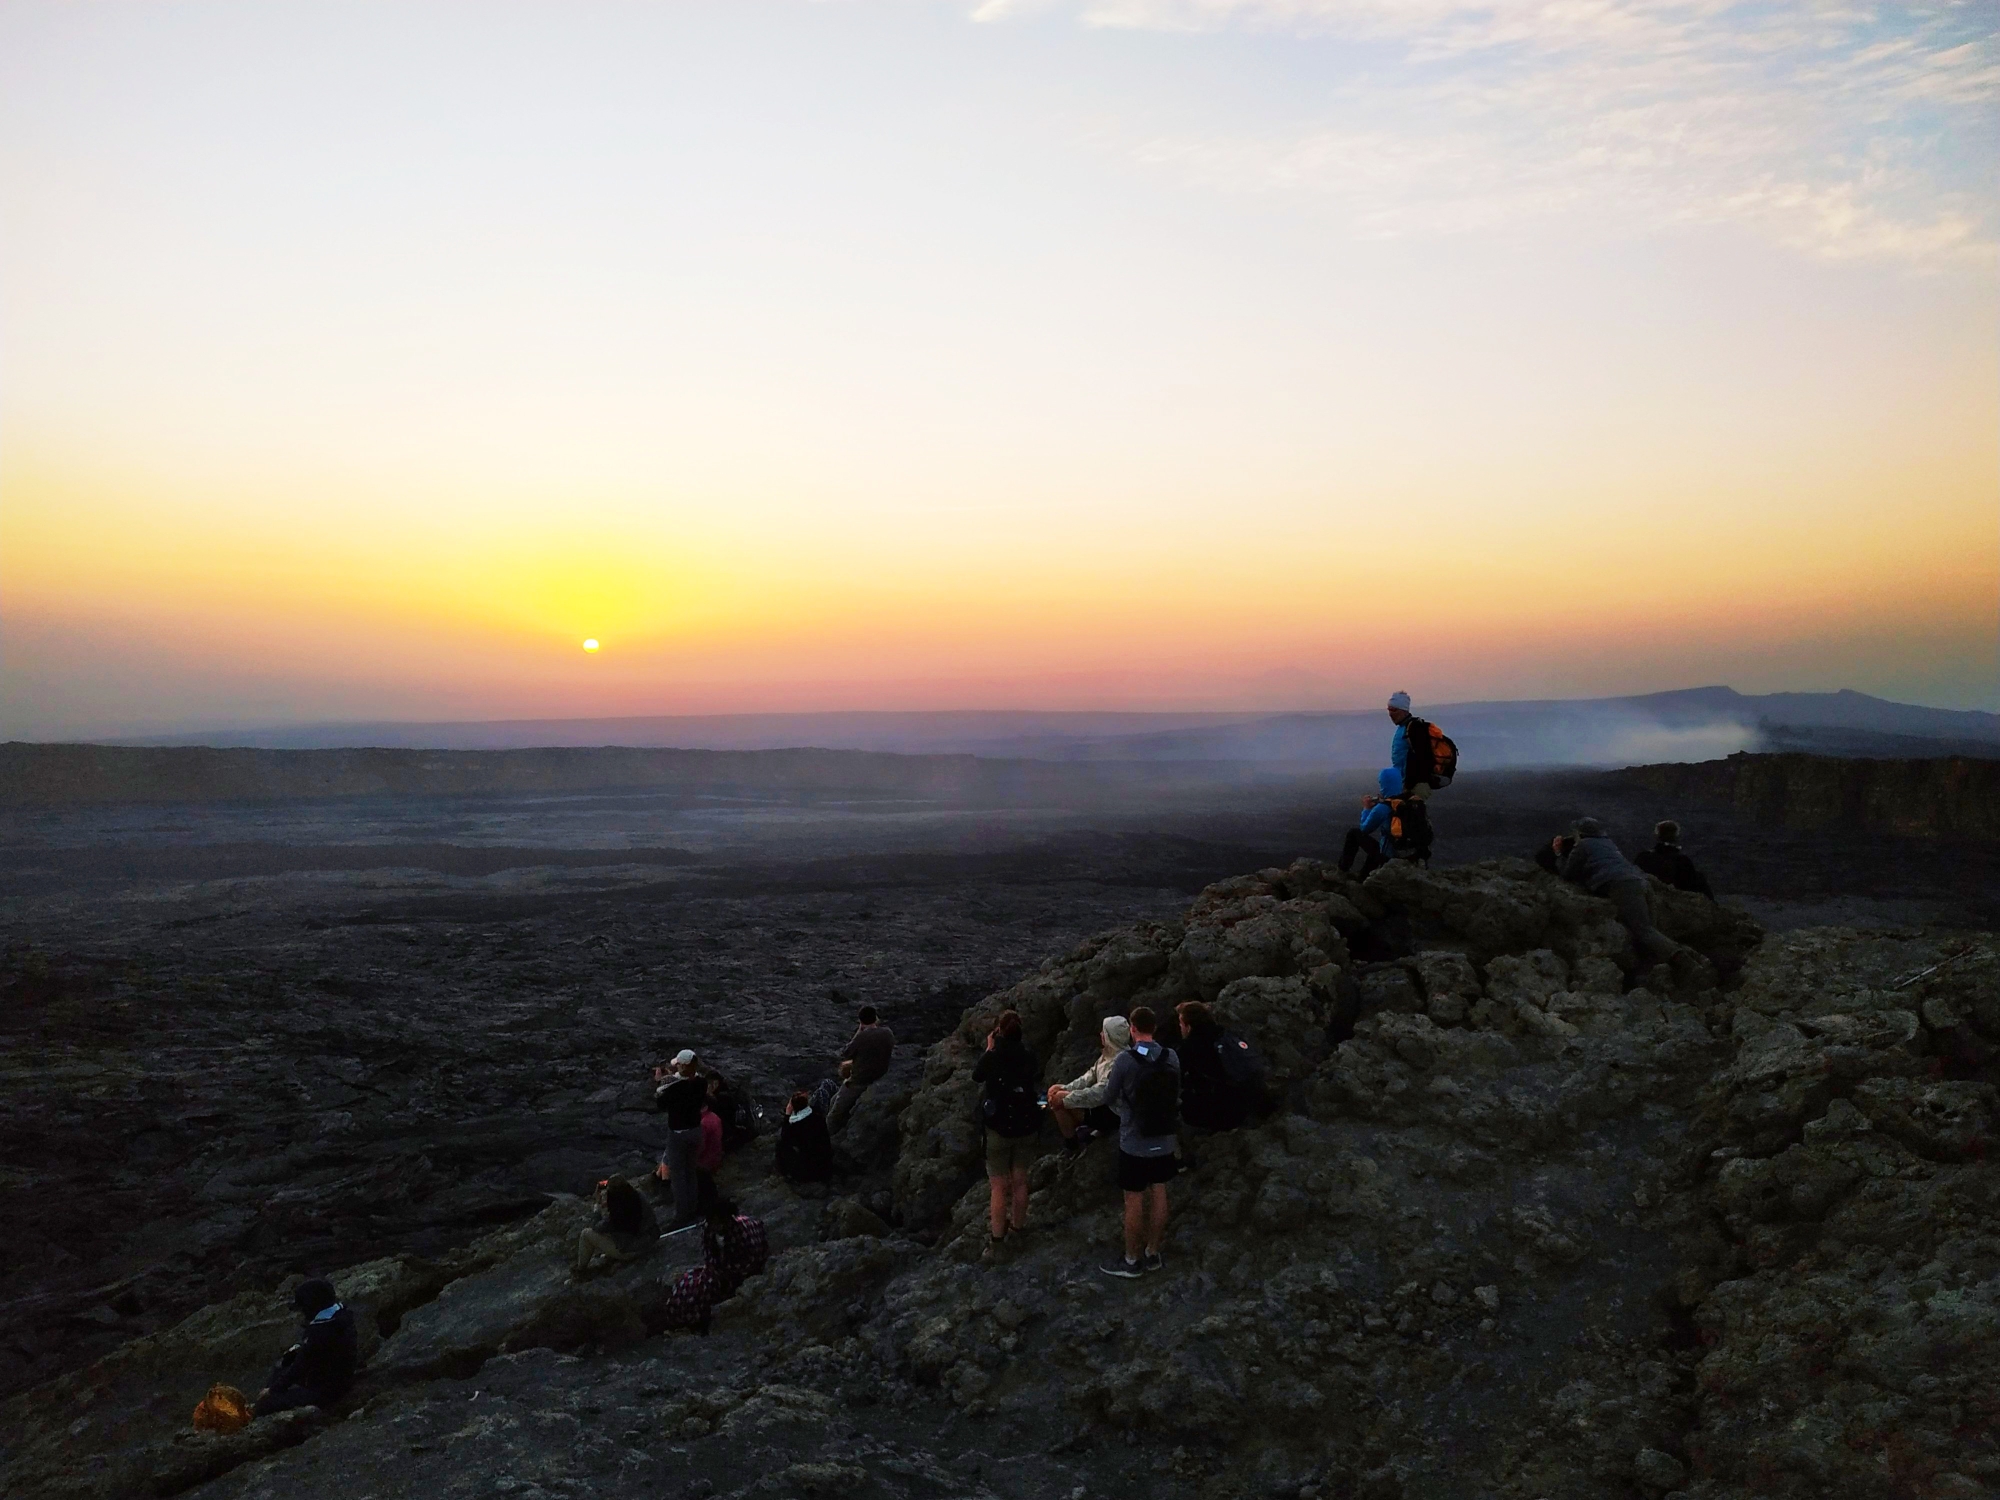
[(361, 360)]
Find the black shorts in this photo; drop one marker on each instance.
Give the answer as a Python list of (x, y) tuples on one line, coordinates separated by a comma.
[(1137, 1173)]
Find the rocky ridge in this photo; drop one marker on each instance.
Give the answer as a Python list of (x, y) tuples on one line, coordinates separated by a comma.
[(1518, 1225)]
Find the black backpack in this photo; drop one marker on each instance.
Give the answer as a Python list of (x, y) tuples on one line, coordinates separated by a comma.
[(1156, 1098), (1432, 755), (1410, 835), (1242, 1069), (1010, 1106)]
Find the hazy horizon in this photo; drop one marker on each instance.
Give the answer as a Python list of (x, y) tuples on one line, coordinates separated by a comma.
[(363, 362)]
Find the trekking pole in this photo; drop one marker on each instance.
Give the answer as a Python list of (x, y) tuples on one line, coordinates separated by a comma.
[(1941, 963)]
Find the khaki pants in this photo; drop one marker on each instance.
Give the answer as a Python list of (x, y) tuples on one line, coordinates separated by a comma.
[(594, 1241)]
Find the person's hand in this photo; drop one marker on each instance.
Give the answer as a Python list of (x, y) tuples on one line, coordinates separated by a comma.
[(989, 1040), (661, 1172), (1556, 843), (1058, 1094)]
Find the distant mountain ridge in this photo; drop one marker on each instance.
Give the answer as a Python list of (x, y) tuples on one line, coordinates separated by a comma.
[(1688, 724)]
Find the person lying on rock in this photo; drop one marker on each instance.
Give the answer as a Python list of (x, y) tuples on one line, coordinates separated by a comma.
[(1370, 839), (1144, 1091), (1013, 1115), (870, 1052), (319, 1369), (1665, 861), (625, 1230), (1600, 867), (805, 1150), (733, 1249), (1209, 1098), (683, 1096), (1078, 1106)]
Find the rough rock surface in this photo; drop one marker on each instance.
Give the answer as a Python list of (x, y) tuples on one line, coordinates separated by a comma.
[(1521, 1221)]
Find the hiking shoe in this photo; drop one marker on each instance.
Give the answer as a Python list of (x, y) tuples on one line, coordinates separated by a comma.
[(1124, 1270), (1153, 1262)]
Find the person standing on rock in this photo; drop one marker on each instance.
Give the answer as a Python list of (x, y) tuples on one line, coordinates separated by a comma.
[(1600, 867), (1078, 1106), (1144, 1091), (1013, 1117), (683, 1096), (870, 1051), (1665, 861)]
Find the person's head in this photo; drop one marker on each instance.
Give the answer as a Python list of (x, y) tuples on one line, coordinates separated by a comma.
[(714, 1089), (1399, 707), (1143, 1021), (1008, 1025), (1589, 828), (685, 1063), (868, 1016), (1667, 831), (715, 1208), (1390, 780), (1193, 1014), (797, 1106), (1565, 842), (1115, 1036), (313, 1296)]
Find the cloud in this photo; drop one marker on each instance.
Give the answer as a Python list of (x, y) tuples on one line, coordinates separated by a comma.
[(1842, 132)]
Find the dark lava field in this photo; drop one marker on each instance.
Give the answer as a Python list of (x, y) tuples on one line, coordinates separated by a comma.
[(245, 1040)]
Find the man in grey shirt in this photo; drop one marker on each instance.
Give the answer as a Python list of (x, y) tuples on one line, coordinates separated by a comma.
[(873, 1045), (1144, 1091), (1600, 867)]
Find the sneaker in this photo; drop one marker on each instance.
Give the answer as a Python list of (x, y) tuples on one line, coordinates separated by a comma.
[(1124, 1270), (1153, 1262)]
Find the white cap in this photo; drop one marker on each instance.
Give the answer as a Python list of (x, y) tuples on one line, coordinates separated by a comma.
[(683, 1058), (1400, 700)]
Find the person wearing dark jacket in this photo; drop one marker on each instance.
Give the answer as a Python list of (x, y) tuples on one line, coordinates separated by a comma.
[(319, 1369), (625, 1230), (1013, 1115), (683, 1094), (1600, 867), (873, 1045), (1664, 861), (1208, 1098), (805, 1150)]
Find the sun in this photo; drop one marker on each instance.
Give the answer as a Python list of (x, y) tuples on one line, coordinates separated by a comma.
[(591, 644)]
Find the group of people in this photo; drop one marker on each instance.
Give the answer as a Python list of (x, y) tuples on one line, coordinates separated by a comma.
[(1143, 1087), (1395, 822), (1139, 1088)]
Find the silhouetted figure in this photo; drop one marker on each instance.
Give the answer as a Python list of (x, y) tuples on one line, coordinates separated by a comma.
[(1665, 861)]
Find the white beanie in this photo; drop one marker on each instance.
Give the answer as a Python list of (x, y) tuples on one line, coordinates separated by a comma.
[(1400, 700)]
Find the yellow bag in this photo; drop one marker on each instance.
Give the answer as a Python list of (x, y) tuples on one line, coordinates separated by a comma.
[(223, 1409)]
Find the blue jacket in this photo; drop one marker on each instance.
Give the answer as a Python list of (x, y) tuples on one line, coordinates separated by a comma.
[(1399, 753), (1375, 821)]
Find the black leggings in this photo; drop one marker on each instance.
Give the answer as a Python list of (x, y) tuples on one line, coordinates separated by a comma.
[(1360, 843)]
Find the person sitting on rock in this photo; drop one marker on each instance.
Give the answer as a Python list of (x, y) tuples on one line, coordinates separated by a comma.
[(1371, 837), (626, 1227), (733, 1249), (1078, 1106), (1208, 1099), (1665, 861), (1600, 867), (1144, 1091), (1013, 1117), (805, 1150), (319, 1369), (870, 1051)]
